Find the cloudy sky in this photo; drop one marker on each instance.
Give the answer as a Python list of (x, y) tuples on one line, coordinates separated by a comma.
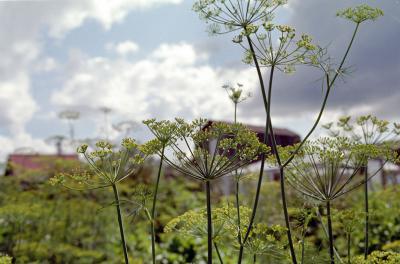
[(153, 58)]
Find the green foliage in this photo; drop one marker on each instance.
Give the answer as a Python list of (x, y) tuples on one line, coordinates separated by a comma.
[(379, 257), (194, 222), (5, 259)]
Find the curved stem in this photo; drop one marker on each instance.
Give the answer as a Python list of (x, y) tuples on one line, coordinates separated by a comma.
[(329, 84), (366, 238), (153, 209), (120, 223), (209, 223), (218, 253), (330, 233)]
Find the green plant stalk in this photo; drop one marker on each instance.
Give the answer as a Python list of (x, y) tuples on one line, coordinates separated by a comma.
[(218, 253), (329, 84), (267, 105), (153, 209), (209, 224), (239, 236), (348, 248), (302, 248), (366, 238), (326, 234), (286, 214), (328, 215), (120, 223), (261, 173)]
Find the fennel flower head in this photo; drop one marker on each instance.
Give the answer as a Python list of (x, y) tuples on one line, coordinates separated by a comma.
[(328, 168), (205, 152), (106, 166)]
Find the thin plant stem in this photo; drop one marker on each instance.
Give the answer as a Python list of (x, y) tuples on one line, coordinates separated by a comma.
[(326, 234), (348, 248), (268, 128), (366, 238), (239, 236), (261, 173), (328, 214), (153, 209), (303, 234), (209, 223), (120, 223), (330, 83), (235, 114), (254, 258), (218, 253), (286, 214)]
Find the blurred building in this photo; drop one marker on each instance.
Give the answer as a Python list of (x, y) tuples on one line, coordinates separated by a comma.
[(20, 163)]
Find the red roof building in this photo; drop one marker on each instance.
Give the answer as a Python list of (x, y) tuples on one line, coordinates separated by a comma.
[(22, 162)]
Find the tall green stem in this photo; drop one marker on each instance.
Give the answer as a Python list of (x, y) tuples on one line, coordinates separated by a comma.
[(330, 233), (260, 176), (286, 214), (209, 223), (120, 223), (366, 238), (237, 190), (239, 236), (153, 209), (348, 248)]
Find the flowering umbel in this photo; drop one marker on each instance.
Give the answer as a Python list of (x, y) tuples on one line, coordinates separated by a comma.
[(326, 169), (227, 16), (207, 152), (360, 13), (106, 166)]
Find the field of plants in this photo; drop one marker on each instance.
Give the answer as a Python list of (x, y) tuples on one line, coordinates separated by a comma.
[(163, 201)]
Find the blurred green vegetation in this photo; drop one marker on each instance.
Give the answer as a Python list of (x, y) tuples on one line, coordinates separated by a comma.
[(40, 223)]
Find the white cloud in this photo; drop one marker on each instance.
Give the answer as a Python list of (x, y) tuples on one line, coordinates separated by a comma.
[(17, 106), (123, 48), (103, 11), (45, 65), (24, 24), (175, 80)]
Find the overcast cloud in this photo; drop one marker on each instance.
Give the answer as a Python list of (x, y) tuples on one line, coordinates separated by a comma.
[(88, 54)]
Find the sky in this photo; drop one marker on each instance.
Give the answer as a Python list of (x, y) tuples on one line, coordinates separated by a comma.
[(154, 59)]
